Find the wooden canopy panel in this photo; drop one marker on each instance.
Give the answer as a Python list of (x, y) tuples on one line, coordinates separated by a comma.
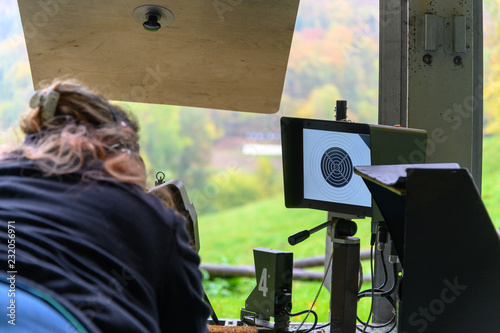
[(221, 54)]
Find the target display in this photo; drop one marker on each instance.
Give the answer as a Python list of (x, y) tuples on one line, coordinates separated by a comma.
[(319, 158), (336, 167), (329, 161)]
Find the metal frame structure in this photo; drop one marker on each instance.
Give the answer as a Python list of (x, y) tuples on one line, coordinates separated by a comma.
[(431, 77)]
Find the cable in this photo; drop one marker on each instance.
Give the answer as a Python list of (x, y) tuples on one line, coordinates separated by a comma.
[(380, 293), (382, 325), (373, 291), (385, 274), (390, 300), (308, 312), (393, 326), (385, 270), (317, 295), (322, 326)]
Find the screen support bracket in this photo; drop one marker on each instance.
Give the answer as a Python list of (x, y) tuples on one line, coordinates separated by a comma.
[(344, 276)]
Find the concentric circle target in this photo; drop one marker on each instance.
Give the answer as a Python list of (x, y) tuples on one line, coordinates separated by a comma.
[(336, 167)]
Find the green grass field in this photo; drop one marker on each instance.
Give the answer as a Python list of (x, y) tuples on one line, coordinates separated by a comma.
[(229, 237), (491, 178)]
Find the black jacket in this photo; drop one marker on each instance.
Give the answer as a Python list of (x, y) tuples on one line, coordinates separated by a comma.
[(108, 252)]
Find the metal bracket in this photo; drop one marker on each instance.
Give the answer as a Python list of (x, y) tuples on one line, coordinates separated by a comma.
[(450, 35)]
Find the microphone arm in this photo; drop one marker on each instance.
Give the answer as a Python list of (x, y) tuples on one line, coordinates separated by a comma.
[(304, 234)]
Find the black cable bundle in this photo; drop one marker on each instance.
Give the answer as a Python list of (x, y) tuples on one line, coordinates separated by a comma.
[(379, 292)]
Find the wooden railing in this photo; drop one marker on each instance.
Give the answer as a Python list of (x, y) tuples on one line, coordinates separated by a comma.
[(299, 273)]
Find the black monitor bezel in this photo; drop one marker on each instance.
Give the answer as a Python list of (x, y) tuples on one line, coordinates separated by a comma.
[(293, 163)]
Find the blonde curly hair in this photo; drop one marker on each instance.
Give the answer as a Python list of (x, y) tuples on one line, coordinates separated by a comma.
[(83, 131)]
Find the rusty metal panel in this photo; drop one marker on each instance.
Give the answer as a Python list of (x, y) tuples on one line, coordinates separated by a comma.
[(443, 95)]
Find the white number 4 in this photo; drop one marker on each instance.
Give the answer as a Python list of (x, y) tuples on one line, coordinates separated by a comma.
[(263, 282)]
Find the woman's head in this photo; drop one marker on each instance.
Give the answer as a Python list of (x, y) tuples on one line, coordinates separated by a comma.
[(70, 128)]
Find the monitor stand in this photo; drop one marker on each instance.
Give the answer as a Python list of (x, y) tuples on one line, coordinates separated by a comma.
[(344, 276)]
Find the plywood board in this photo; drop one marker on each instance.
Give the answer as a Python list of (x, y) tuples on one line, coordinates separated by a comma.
[(221, 54)]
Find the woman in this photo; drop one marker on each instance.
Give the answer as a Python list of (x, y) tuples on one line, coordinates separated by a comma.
[(87, 238)]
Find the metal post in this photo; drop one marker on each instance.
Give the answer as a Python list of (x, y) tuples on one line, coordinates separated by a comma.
[(344, 287), (393, 109), (444, 80), (393, 61), (435, 86), (477, 73)]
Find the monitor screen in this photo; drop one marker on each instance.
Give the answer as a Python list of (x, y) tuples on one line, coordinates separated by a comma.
[(318, 165), (329, 161)]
